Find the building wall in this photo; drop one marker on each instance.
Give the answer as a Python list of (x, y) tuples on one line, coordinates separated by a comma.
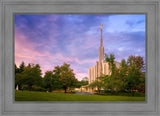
[(100, 67)]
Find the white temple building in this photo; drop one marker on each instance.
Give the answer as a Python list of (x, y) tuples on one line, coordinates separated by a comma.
[(101, 67)]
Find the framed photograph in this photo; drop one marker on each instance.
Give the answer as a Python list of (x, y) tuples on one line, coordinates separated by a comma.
[(79, 57), (60, 50)]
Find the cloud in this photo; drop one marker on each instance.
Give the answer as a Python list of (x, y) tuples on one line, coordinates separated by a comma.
[(51, 40), (126, 23), (80, 76), (125, 44)]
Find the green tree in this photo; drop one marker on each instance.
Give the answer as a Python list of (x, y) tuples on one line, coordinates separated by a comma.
[(18, 80), (18, 77), (21, 67), (84, 81), (128, 76), (16, 69), (111, 62), (56, 83), (112, 81), (135, 76), (96, 84), (67, 76), (123, 73), (92, 85), (38, 74), (105, 80), (141, 86), (48, 80), (31, 75)]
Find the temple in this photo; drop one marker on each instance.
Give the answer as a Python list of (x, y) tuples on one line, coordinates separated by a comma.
[(101, 67)]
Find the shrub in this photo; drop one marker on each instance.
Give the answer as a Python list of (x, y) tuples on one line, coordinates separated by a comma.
[(121, 93), (25, 87), (37, 88)]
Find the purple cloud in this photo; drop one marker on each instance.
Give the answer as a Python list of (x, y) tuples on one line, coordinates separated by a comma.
[(51, 40)]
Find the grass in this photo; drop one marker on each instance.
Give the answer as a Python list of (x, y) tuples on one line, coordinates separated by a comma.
[(43, 96)]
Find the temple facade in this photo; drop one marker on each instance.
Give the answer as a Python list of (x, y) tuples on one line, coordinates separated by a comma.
[(101, 66)]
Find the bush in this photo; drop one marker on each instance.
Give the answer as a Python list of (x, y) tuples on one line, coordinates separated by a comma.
[(73, 91), (34, 88), (25, 87), (37, 88), (121, 93)]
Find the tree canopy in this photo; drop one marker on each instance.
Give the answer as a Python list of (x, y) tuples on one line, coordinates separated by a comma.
[(128, 77), (67, 76), (30, 77)]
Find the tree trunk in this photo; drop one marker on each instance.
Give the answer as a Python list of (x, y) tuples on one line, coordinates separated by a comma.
[(65, 90), (30, 88), (99, 91), (50, 89)]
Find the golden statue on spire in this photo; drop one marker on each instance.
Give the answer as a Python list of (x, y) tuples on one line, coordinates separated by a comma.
[(101, 26)]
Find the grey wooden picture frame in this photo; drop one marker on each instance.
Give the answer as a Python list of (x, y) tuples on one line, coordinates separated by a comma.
[(9, 107)]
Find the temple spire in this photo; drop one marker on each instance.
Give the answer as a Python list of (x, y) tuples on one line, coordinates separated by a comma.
[(101, 49), (101, 37)]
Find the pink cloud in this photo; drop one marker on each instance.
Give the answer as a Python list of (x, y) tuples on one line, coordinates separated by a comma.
[(80, 76), (25, 51)]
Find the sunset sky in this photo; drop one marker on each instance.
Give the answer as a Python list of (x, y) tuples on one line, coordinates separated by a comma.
[(50, 40)]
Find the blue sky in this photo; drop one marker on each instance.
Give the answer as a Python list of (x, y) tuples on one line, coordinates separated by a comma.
[(51, 40)]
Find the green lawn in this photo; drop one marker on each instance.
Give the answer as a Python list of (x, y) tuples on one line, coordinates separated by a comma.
[(43, 96)]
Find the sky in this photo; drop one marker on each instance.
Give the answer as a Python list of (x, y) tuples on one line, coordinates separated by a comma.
[(52, 39)]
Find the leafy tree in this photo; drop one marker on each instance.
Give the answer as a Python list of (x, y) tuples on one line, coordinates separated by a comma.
[(105, 79), (48, 80), (128, 76), (112, 81), (123, 73), (141, 86), (67, 76), (111, 62), (18, 71), (37, 74), (56, 83), (27, 75), (31, 75), (97, 84), (92, 85), (84, 81), (135, 75)]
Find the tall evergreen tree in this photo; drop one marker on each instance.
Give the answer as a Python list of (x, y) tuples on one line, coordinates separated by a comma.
[(21, 67), (31, 75)]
